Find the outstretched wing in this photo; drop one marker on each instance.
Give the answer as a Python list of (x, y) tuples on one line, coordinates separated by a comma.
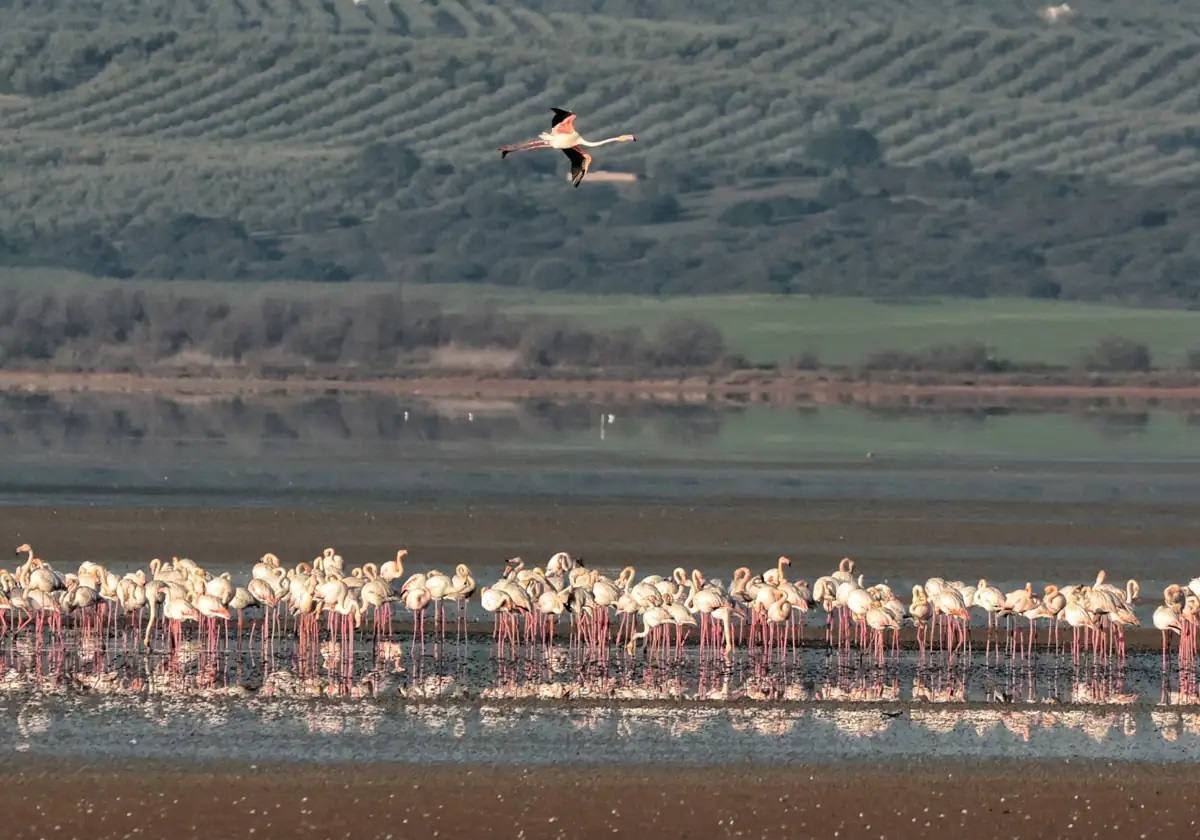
[(580, 161), (563, 122)]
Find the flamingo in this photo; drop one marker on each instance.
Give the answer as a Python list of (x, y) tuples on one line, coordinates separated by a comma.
[(878, 620), (563, 136), (416, 599), (1166, 620), (1077, 616), (462, 587), (681, 617), (652, 618), (497, 601), (920, 611), (723, 615), (1053, 14), (176, 610), (1166, 617), (265, 567), (376, 594), (394, 569), (949, 602)]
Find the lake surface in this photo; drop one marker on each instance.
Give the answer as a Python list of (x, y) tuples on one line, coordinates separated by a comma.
[(363, 450), (1010, 495)]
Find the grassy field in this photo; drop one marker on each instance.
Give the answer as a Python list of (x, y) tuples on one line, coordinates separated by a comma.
[(844, 330)]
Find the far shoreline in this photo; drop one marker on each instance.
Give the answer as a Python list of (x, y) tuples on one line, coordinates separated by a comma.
[(916, 390)]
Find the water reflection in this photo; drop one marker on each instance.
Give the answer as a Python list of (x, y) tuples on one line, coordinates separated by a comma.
[(288, 443), (468, 668), (459, 704), (82, 422)]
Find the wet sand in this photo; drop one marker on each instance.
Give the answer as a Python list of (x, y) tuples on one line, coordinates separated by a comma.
[(850, 800)]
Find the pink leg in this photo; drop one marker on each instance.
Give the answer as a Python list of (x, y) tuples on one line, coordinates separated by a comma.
[(527, 146)]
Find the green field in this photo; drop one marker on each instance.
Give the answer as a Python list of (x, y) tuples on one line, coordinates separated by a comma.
[(843, 330)]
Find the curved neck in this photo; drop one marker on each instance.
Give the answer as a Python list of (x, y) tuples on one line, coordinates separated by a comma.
[(593, 143)]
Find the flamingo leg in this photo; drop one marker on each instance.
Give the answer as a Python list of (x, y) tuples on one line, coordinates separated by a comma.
[(527, 146)]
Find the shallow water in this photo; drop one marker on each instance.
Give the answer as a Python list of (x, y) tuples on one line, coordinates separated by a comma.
[(460, 703)]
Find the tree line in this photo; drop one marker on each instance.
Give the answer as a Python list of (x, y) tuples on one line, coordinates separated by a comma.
[(376, 330)]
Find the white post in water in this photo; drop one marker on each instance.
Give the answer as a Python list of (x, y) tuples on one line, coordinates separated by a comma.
[(605, 420)]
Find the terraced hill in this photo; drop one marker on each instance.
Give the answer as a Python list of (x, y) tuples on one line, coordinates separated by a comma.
[(115, 116)]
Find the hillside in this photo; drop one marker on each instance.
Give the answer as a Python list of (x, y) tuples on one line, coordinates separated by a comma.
[(922, 146)]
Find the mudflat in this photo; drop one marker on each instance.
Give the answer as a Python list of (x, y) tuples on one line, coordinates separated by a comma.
[(1030, 799), (895, 539)]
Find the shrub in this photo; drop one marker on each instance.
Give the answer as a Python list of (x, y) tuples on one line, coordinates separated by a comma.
[(807, 360), (844, 147), (747, 214), (960, 357), (890, 360), (557, 344), (1116, 353), (1193, 357), (686, 342)]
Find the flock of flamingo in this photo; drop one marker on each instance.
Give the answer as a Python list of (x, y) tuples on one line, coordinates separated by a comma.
[(765, 613)]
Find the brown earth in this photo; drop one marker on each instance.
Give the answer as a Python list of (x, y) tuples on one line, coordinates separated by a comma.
[(927, 390), (42, 798), (889, 537)]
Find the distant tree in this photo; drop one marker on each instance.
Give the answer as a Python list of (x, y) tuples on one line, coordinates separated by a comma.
[(552, 273), (650, 211), (747, 214), (687, 342), (386, 166), (836, 190), (193, 246), (960, 166), (1116, 353), (960, 357), (891, 360), (805, 360), (1041, 286), (1193, 357), (844, 147)]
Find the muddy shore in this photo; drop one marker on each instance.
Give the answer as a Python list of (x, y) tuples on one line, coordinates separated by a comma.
[(890, 538), (978, 799), (928, 391)]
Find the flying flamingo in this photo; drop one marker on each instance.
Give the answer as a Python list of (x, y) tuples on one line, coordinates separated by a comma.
[(563, 136)]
